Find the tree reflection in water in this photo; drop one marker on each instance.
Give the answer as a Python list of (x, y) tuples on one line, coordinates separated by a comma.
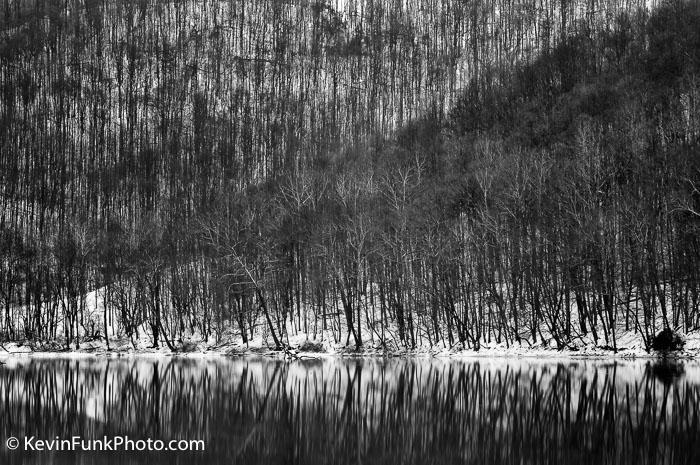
[(257, 411)]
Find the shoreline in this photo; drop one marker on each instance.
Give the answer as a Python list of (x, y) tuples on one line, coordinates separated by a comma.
[(12, 351)]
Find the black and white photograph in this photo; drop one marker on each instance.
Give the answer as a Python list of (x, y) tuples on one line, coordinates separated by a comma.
[(349, 232)]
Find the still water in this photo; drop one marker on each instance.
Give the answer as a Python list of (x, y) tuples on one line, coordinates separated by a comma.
[(356, 411)]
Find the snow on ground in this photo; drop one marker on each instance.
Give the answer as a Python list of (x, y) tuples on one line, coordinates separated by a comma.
[(632, 348), (329, 342)]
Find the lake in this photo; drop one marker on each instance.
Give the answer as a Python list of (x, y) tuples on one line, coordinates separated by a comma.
[(355, 411)]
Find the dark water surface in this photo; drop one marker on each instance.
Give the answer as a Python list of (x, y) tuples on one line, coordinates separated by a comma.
[(256, 411)]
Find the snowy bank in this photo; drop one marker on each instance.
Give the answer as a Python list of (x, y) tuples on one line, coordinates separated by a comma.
[(301, 346)]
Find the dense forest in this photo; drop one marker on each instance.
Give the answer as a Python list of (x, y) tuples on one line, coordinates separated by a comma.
[(394, 173)]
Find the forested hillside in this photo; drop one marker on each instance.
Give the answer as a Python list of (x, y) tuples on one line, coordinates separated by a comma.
[(393, 173)]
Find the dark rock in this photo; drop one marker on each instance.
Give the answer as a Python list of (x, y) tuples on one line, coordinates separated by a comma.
[(667, 340)]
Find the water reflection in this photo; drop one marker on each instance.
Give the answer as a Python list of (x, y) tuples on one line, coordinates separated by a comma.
[(667, 371), (355, 411)]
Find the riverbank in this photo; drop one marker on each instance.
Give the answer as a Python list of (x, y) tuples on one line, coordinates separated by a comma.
[(630, 346)]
